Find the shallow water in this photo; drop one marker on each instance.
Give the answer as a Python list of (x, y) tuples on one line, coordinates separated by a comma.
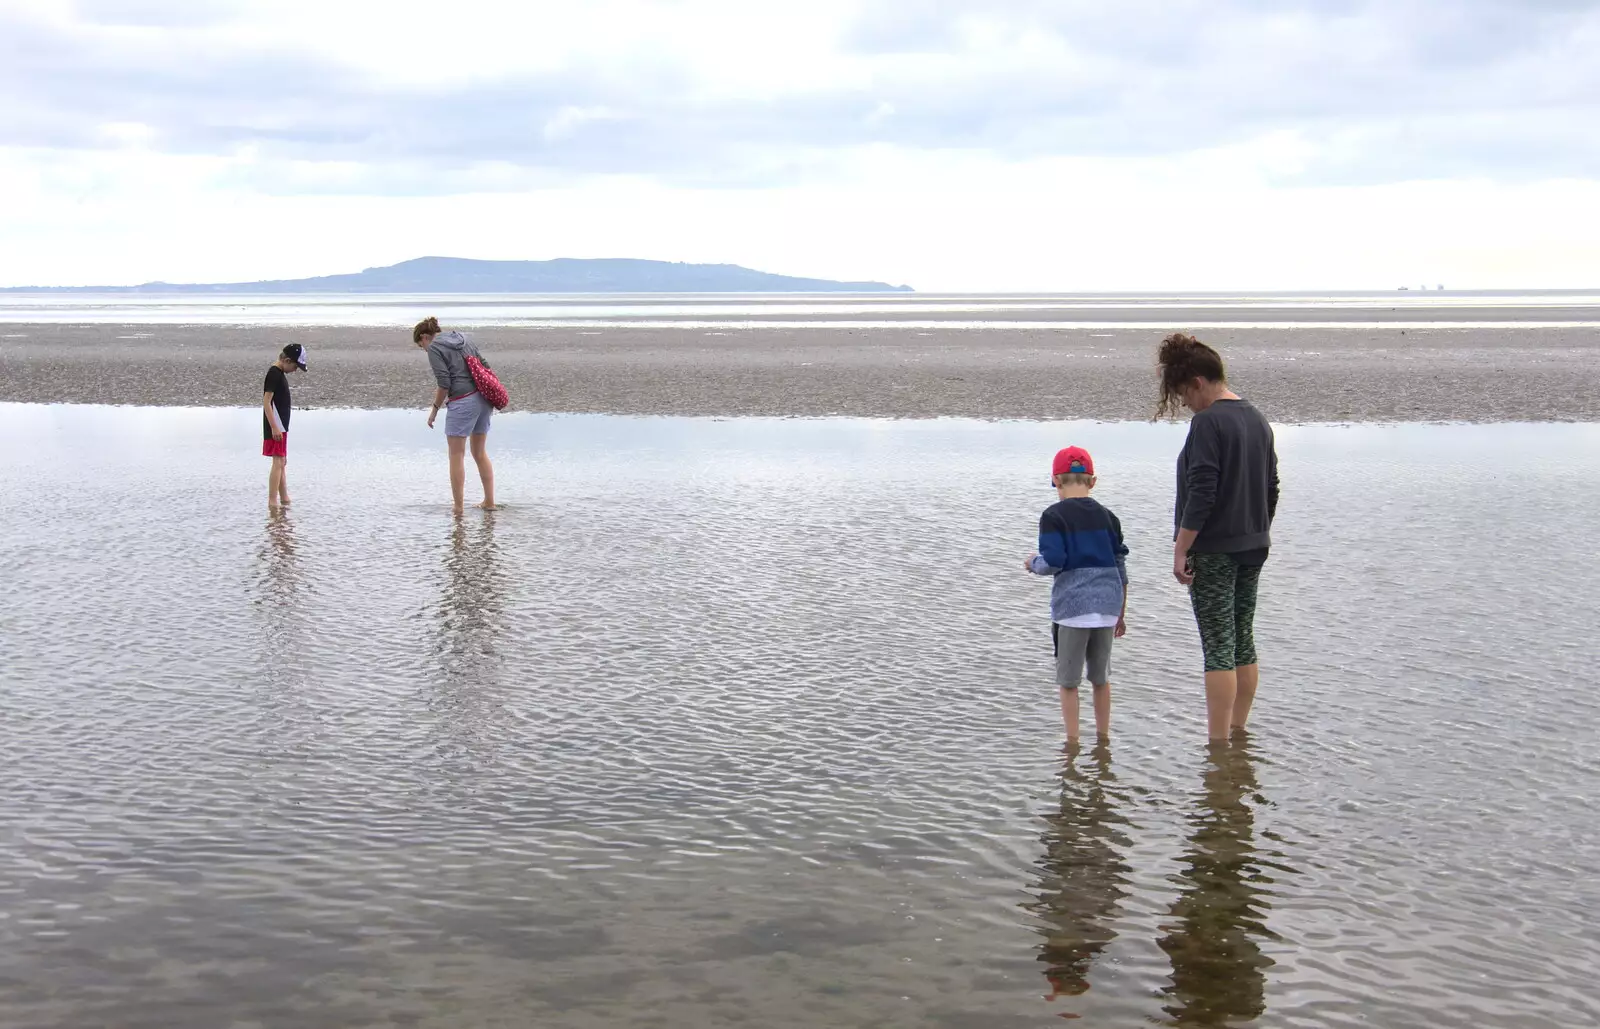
[(1531, 309), (727, 722)]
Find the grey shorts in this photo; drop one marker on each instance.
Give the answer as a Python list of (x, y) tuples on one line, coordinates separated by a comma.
[(467, 416), (1076, 648)]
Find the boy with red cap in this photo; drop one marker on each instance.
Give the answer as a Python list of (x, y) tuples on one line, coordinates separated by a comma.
[(1081, 548)]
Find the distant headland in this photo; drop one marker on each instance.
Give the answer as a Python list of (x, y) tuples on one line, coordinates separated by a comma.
[(562, 275)]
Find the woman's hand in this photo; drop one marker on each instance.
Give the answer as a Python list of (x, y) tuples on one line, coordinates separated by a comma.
[(1121, 629), (1180, 567), (1027, 564), (433, 412)]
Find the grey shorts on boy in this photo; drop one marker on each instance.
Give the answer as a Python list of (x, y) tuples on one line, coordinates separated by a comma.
[(1076, 648), (467, 416)]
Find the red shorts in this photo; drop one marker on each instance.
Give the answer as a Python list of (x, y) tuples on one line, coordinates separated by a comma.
[(275, 447)]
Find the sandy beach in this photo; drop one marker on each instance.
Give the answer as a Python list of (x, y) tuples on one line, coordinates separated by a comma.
[(1312, 374)]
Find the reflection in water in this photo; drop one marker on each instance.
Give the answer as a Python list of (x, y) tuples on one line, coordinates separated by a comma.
[(471, 614), (738, 785), (279, 591), (282, 596), (1218, 970), (280, 576), (1082, 876), (468, 646)]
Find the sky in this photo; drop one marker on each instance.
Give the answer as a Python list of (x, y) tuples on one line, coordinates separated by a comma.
[(1013, 145)]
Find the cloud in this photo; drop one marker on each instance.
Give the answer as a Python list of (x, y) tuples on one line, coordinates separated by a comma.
[(406, 97)]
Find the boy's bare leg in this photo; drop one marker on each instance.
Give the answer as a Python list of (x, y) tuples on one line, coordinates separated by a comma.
[(1249, 677), (274, 483), (458, 469), (480, 454), (283, 480), (1102, 710), (1221, 689), (1069, 713)]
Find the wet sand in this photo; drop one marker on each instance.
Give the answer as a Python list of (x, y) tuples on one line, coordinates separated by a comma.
[(1297, 375)]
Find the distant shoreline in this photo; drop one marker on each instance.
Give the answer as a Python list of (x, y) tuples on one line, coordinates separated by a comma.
[(844, 312), (1329, 373)]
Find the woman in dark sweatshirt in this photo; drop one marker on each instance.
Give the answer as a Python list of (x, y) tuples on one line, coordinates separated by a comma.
[(1227, 497)]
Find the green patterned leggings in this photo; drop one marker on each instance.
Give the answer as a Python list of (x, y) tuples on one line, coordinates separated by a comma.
[(1224, 597)]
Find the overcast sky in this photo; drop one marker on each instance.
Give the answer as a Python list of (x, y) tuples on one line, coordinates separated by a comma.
[(1011, 145)]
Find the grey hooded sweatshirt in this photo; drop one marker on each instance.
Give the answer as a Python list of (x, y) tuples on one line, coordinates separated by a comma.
[(447, 356)]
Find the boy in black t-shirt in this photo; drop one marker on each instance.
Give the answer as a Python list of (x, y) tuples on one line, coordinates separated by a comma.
[(275, 421)]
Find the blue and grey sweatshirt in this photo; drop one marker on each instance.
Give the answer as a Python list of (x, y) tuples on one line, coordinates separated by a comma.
[(1080, 543)]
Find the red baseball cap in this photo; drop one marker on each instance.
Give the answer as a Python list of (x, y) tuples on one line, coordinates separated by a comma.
[(1072, 460)]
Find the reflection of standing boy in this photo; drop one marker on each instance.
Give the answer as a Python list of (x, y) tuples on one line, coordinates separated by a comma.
[(275, 421), (1080, 545), (1082, 876)]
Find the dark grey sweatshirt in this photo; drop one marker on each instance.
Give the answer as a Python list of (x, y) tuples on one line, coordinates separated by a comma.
[(1228, 479)]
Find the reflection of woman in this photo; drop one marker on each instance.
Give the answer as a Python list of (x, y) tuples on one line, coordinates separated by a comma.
[(1218, 970), (467, 413), (1082, 877), (1227, 497), (470, 625), (470, 612)]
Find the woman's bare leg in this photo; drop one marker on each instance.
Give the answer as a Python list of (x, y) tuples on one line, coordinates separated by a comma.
[(1222, 689), (1249, 678), (458, 469), (480, 454)]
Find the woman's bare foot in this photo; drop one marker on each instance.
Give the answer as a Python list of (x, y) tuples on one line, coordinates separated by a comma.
[(284, 500), (487, 505)]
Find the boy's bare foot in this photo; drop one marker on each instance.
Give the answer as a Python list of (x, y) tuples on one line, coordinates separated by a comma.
[(456, 511), (487, 505), (284, 500)]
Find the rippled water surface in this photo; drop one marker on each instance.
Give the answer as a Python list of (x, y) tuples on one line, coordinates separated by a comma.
[(751, 723)]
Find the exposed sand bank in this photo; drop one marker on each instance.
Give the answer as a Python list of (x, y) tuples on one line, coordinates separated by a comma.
[(1296, 375)]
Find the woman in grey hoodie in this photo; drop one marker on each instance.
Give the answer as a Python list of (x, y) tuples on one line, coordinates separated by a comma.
[(467, 413)]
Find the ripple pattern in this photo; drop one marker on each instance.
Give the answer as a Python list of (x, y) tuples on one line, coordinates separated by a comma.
[(752, 722)]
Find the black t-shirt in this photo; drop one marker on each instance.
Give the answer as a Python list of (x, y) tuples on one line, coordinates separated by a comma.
[(278, 385)]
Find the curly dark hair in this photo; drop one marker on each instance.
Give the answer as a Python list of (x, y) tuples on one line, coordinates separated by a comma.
[(1181, 360)]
